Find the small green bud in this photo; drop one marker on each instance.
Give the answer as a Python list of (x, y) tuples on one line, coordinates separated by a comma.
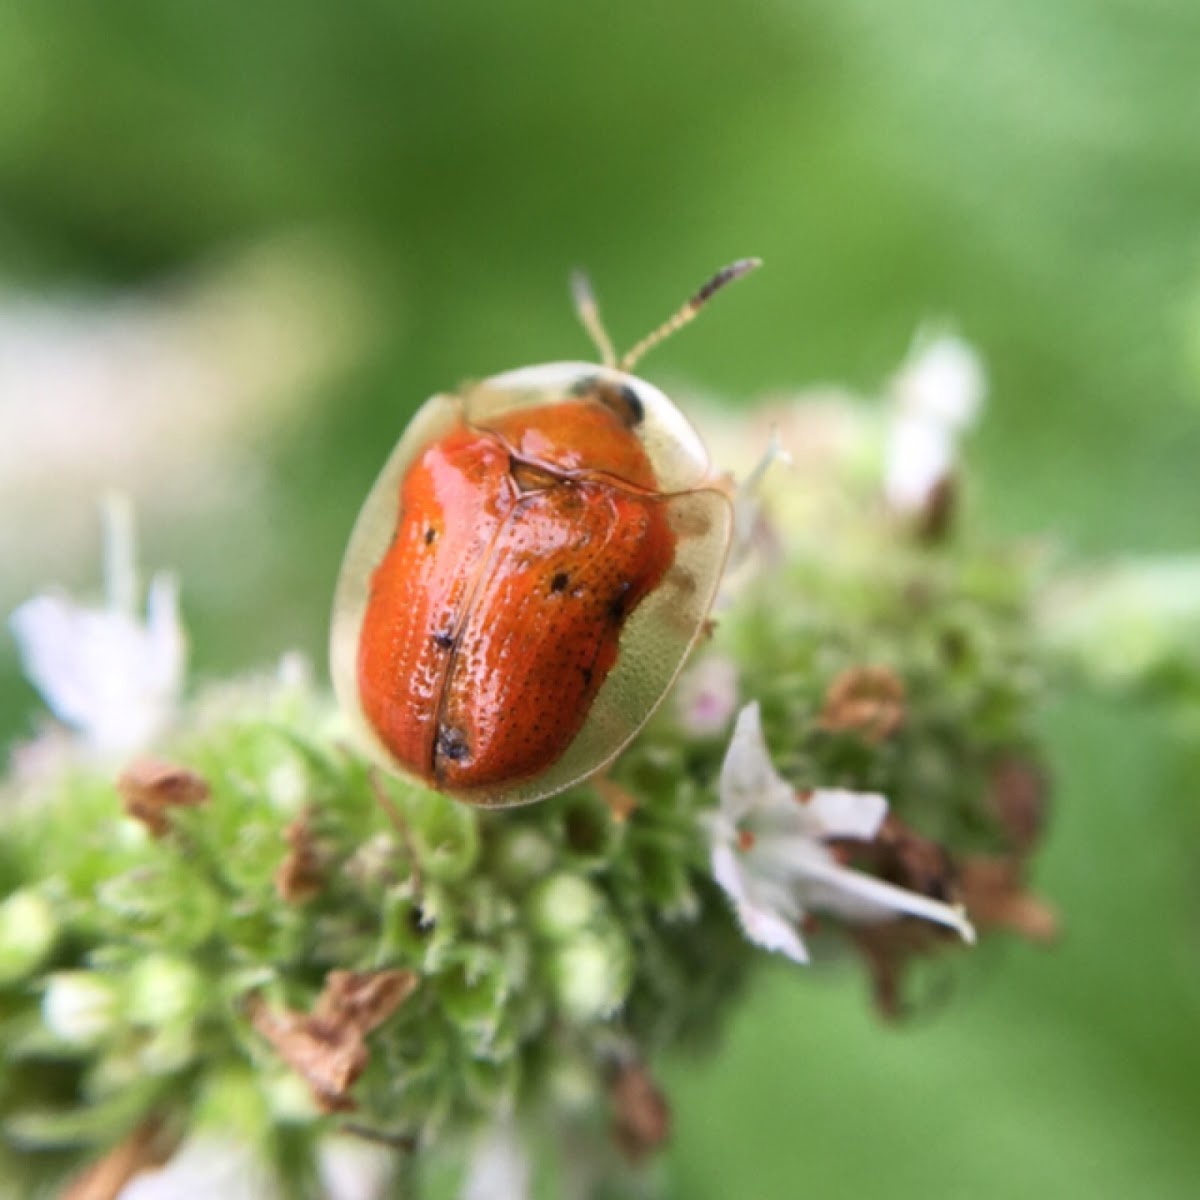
[(572, 1085), (591, 974), (289, 1099), (118, 1070), (287, 785), (163, 990), (80, 1007), (27, 932), (564, 904), (235, 1097), (167, 1051), (523, 855)]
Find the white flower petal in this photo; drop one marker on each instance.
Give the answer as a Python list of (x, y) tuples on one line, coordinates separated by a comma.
[(772, 932), (846, 814), (748, 778), (727, 871), (765, 926), (45, 631), (920, 454), (938, 393), (101, 671), (944, 381), (857, 897)]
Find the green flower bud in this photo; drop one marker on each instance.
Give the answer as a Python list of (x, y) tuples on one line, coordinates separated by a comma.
[(81, 1007), (121, 1068), (289, 1099), (167, 1051), (591, 974), (163, 990), (522, 855), (572, 1085), (232, 1097), (564, 904), (27, 932)]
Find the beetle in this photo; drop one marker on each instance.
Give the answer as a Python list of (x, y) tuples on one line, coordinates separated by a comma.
[(529, 573)]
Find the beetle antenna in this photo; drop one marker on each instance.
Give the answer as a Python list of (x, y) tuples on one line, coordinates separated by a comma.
[(589, 317), (728, 274)]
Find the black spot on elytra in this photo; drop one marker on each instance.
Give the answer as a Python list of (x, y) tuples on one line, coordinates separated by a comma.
[(616, 606), (560, 581), (586, 672), (452, 744), (443, 641), (430, 534)]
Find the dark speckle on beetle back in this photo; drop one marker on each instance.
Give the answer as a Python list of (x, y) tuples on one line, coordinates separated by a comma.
[(616, 606), (452, 744)]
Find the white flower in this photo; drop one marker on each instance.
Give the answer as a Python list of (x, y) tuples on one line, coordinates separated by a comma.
[(499, 1168), (769, 851), (938, 394), (106, 672)]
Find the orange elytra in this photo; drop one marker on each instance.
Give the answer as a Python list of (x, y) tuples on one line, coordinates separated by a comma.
[(529, 573)]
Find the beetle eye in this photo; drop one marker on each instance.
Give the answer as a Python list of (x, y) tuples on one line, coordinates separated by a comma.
[(619, 398), (626, 403)]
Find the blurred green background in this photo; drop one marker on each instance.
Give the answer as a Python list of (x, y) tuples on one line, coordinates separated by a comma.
[(1029, 169)]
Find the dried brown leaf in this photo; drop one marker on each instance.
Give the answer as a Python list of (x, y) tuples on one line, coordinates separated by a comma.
[(641, 1114), (1019, 796), (150, 788), (328, 1046), (868, 701), (301, 874), (996, 898)]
